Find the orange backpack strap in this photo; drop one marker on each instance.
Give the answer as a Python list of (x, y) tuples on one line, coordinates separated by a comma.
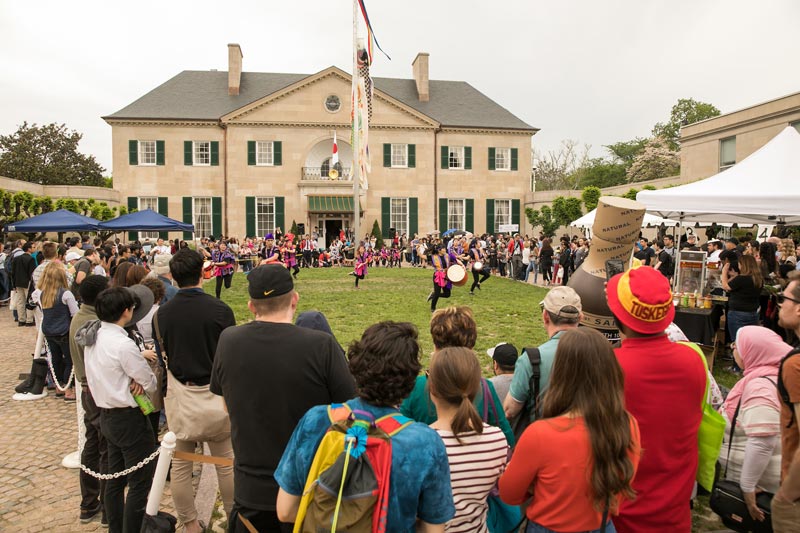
[(393, 424), (339, 412)]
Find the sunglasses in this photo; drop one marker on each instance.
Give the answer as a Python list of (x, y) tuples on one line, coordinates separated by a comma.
[(781, 298)]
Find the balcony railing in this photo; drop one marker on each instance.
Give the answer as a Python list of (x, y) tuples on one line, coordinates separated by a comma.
[(315, 174)]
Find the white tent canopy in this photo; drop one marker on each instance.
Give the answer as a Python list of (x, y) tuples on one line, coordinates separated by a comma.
[(650, 221), (763, 188)]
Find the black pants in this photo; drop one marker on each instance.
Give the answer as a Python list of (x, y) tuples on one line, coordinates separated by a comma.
[(263, 521), (59, 351), (484, 274), (227, 279), (130, 439), (547, 270), (94, 455), (565, 276), (502, 268), (358, 277), (439, 292), (306, 258)]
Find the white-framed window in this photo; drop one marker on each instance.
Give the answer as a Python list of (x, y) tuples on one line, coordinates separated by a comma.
[(201, 151), (456, 214), (502, 158), (148, 202), (502, 213), (399, 156), (456, 157), (147, 153), (265, 215), (201, 216), (398, 215), (727, 153), (265, 154)]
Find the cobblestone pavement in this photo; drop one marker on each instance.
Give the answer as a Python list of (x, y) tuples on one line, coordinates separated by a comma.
[(36, 492)]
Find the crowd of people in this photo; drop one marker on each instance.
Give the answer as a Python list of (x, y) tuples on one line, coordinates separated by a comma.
[(572, 435)]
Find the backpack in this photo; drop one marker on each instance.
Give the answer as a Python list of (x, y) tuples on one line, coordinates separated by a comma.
[(523, 419), (347, 488), (668, 266), (782, 391)]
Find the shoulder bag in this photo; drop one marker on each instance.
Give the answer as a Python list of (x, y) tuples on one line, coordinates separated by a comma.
[(194, 413), (727, 499), (523, 418)]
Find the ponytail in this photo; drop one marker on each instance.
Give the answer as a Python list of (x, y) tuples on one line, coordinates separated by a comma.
[(455, 377), (466, 419)]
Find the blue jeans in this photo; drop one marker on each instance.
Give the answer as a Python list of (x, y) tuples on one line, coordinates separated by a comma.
[(532, 268), (536, 528), (739, 319)]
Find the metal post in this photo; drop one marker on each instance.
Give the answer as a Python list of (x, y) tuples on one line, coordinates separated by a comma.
[(160, 477)]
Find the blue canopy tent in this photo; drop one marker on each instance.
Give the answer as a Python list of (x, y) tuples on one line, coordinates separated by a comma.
[(146, 220), (57, 221)]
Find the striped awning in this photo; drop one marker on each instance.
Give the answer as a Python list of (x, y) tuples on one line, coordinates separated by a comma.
[(330, 204)]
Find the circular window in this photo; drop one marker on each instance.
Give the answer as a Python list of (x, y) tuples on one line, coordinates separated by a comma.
[(332, 103)]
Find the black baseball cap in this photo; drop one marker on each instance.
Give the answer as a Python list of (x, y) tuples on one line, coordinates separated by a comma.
[(269, 281), (505, 354)]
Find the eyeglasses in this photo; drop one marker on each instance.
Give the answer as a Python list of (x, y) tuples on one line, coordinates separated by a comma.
[(781, 298)]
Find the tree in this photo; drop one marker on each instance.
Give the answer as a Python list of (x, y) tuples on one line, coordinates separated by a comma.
[(566, 209), (48, 155), (590, 197), (294, 231), (656, 161), (542, 218), (376, 232), (600, 173), (686, 111), (556, 169), (631, 194), (626, 151)]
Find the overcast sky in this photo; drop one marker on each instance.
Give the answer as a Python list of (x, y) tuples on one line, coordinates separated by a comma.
[(596, 71)]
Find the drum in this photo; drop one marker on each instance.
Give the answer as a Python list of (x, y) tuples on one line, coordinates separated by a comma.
[(207, 265), (207, 268), (457, 275), (477, 266)]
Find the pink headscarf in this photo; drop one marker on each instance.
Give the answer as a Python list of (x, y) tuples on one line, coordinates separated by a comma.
[(761, 351)]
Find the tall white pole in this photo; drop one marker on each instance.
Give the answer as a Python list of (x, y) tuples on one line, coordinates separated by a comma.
[(356, 159)]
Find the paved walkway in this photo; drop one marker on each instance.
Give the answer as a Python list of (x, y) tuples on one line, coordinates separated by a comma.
[(36, 492)]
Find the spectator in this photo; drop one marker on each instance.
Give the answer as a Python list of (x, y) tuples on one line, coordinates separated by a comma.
[(786, 503), (664, 387), (504, 359), (270, 372), (546, 260), (384, 362), (744, 290), (190, 327), (472, 445), (161, 271), (22, 267), (579, 463)]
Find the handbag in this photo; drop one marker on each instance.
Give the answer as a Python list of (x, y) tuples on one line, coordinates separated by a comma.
[(194, 413), (709, 435), (727, 498)]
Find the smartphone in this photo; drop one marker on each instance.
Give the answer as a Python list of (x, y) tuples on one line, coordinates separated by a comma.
[(614, 267)]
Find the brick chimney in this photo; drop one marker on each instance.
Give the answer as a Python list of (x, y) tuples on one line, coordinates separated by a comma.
[(234, 69), (420, 67)]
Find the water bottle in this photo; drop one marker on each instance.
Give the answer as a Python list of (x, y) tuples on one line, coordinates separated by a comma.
[(144, 403)]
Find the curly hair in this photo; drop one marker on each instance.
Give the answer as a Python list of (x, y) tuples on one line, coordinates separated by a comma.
[(385, 362), (454, 326)]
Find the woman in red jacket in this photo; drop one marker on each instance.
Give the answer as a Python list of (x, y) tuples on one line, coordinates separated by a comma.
[(574, 466)]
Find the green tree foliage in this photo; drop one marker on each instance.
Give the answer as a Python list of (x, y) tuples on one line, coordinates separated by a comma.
[(294, 231), (542, 218), (376, 232), (557, 169), (631, 194), (686, 111), (48, 155), (566, 209), (590, 197), (108, 182), (600, 173), (656, 161), (626, 151)]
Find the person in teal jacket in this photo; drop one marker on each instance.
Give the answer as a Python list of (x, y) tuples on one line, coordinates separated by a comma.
[(455, 326)]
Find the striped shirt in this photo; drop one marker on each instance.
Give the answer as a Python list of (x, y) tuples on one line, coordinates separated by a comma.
[(475, 465)]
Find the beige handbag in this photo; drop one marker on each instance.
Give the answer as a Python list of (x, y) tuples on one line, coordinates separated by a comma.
[(194, 413)]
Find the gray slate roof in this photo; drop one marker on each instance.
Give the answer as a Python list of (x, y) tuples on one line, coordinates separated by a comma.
[(203, 95)]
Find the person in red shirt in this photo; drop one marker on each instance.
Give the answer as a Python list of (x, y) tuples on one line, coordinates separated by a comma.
[(576, 464), (664, 387)]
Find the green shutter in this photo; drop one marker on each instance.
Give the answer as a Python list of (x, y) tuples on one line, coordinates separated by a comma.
[(133, 152), (216, 216), (187, 213), (387, 155), (279, 213), (491, 159), (163, 209), (490, 213), (187, 155), (514, 165), (469, 215), (386, 219), (250, 216), (160, 153), (442, 215), (277, 154), (251, 156), (412, 156), (413, 216), (467, 157), (214, 154), (515, 212), (133, 205), (445, 157)]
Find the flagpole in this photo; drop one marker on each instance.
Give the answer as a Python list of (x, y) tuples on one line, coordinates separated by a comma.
[(356, 163)]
